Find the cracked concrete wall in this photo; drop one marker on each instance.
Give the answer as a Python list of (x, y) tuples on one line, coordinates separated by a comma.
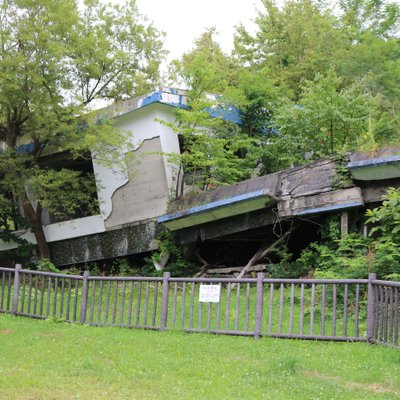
[(307, 180), (310, 190), (146, 194), (322, 202), (141, 124)]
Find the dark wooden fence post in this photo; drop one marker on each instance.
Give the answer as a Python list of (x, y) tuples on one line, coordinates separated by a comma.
[(16, 289), (84, 299), (371, 308), (165, 295), (259, 305)]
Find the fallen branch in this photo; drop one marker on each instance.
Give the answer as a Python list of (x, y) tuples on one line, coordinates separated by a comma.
[(203, 270), (205, 266), (229, 270), (264, 249)]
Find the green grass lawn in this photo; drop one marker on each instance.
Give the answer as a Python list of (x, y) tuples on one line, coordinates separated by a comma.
[(41, 360)]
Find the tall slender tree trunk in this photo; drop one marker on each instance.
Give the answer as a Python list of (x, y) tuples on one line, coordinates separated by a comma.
[(34, 216), (35, 219)]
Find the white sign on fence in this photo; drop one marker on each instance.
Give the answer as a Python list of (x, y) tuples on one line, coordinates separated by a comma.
[(209, 293)]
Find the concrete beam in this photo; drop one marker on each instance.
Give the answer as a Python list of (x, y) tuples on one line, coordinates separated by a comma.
[(128, 240), (321, 203)]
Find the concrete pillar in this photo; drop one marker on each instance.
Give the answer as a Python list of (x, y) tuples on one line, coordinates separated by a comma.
[(344, 224)]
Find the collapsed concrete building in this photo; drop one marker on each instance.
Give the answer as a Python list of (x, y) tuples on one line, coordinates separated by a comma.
[(229, 223), (232, 223)]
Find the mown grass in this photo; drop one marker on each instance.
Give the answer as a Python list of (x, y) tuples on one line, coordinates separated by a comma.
[(48, 360)]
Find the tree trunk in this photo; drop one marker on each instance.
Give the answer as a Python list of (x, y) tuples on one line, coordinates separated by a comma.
[(35, 219)]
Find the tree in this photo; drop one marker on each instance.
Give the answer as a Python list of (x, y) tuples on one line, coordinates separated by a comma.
[(373, 28), (56, 61), (214, 151), (204, 69), (298, 42), (380, 18), (327, 119), (385, 221), (292, 43)]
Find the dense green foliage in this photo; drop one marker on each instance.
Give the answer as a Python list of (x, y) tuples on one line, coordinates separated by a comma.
[(336, 257), (326, 120), (177, 264), (351, 256), (386, 233), (326, 79)]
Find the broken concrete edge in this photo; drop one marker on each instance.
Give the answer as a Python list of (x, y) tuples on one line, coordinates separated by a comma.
[(321, 202), (336, 207), (218, 204), (381, 153), (230, 200), (196, 198), (312, 179)]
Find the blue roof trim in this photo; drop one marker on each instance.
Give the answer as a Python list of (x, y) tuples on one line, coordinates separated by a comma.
[(213, 205), (227, 113), (174, 98), (155, 97), (329, 208), (375, 162), (25, 149)]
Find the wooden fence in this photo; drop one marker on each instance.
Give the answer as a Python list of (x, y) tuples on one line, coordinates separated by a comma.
[(341, 310)]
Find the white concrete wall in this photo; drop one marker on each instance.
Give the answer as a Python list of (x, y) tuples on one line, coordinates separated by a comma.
[(143, 125), (169, 142), (146, 194)]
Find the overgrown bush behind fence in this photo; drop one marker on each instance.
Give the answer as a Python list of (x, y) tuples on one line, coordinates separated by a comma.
[(357, 310)]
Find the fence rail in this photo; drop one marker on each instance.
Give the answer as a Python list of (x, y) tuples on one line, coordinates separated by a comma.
[(319, 309), (386, 312)]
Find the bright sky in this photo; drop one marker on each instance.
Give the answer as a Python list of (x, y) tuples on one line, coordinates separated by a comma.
[(185, 20)]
